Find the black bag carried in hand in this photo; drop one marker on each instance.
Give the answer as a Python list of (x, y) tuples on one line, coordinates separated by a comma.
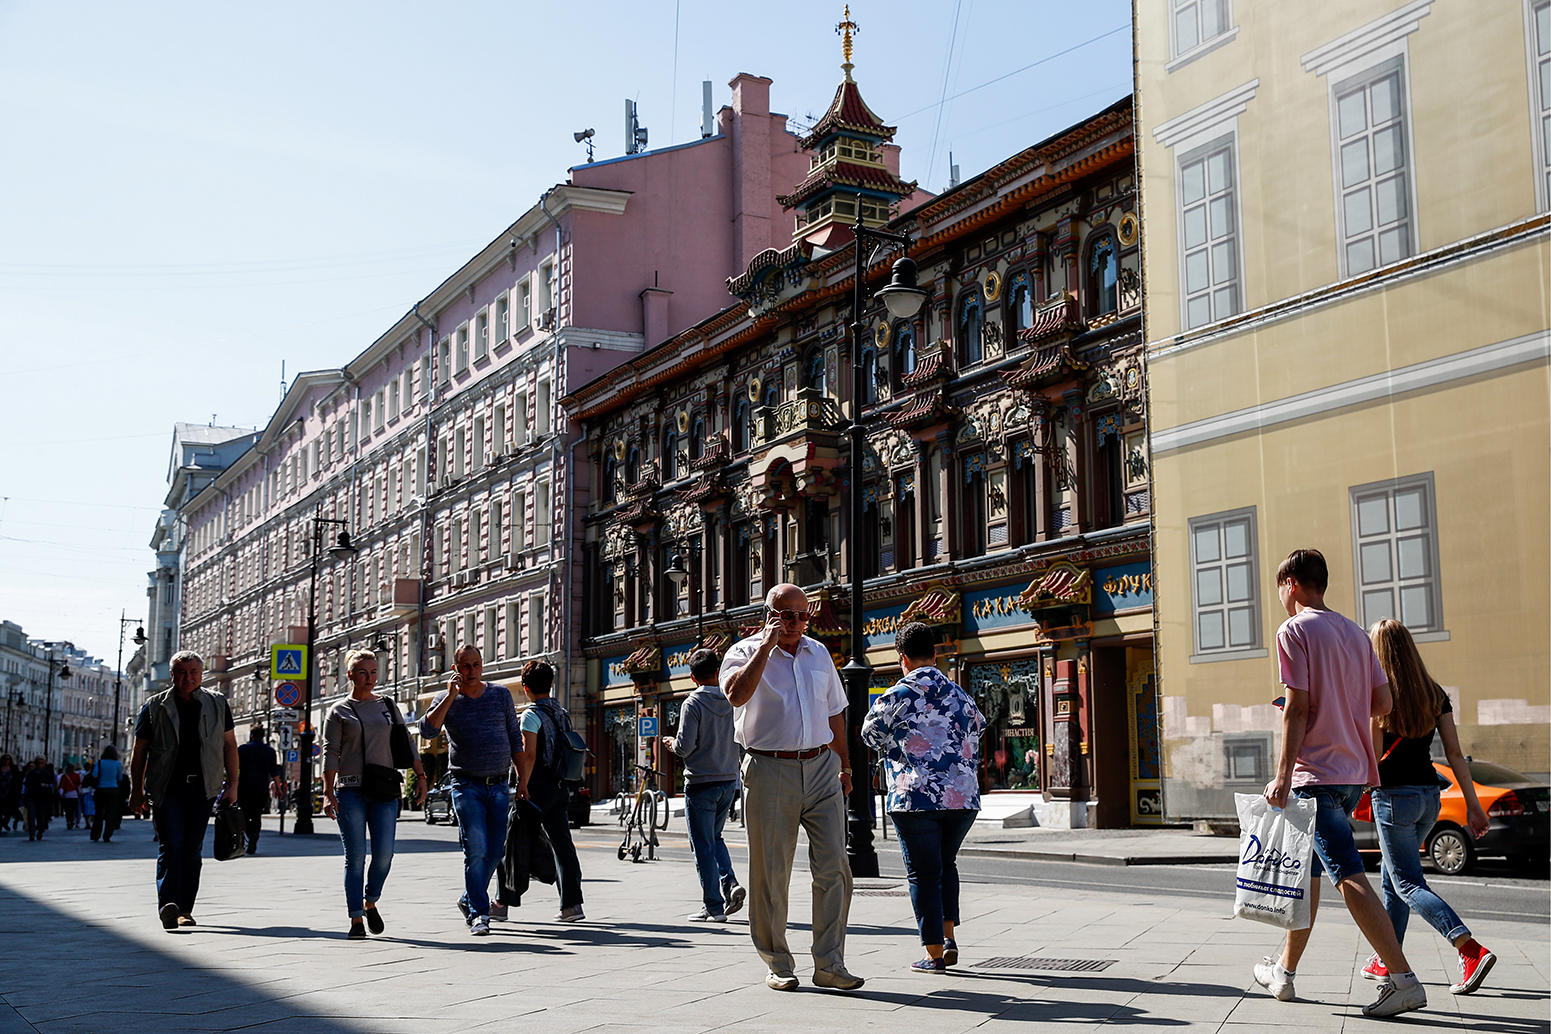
[(230, 836)]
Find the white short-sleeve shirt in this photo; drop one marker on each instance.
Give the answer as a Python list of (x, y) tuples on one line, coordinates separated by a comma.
[(791, 708)]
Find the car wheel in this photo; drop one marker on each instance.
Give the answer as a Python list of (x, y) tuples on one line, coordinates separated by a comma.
[(1451, 851), (430, 820)]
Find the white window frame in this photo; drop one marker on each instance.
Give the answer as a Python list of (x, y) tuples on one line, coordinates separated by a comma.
[(503, 318), (425, 375), (524, 305), (444, 357), (461, 352), (1364, 80), (393, 399), (513, 627), (482, 334), (1251, 601), (1535, 33), (1423, 537), (547, 286), (1225, 34), (542, 404), (543, 516), (535, 623), (1203, 154)]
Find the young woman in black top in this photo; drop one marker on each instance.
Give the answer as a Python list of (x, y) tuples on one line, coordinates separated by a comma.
[(1405, 803)]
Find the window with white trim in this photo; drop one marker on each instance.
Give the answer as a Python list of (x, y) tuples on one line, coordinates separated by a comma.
[(1372, 181), (1539, 40), (525, 305), (1224, 594), (1196, 23), (482, 334), (1395, 547), (535, 623), (503, 318), (1209, 240), (462, 355), (425, 376), (513, 622), (444, 359), (542, 519)]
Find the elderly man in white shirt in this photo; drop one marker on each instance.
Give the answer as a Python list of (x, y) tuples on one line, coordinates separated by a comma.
[(789, 714)]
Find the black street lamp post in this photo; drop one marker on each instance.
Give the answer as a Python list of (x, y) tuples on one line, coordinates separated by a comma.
[(677, 574), (382, 644), (48, 700), (118, 672), (342, 548), (903, 299)]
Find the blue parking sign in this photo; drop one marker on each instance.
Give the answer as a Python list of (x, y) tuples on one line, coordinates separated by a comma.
[(292, 756), (648, 726)]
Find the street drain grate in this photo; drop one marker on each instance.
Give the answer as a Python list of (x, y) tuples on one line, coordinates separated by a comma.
[(880, 892), (1063, 965)]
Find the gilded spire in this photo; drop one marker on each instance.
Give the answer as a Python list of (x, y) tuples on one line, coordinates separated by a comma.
[(844, 30)]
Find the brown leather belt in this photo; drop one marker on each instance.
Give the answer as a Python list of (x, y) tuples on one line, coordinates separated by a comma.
[(791, 755)]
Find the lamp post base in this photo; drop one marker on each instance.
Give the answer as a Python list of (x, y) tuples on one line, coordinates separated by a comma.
[(859, 849)]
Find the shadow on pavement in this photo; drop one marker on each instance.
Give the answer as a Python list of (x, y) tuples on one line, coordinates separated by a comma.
[(150, 989)]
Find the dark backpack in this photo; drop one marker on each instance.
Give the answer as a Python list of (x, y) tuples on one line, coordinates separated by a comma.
[(562, 750)]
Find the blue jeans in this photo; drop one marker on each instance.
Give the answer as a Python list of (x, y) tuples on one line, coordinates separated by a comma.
[(1403, 815), (929, 842), (180, 820), (356, 815), (1335, 851), (706, 807), (482, 810)]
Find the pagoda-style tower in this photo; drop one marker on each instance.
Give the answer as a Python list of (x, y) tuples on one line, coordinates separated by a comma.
[(849, 165)]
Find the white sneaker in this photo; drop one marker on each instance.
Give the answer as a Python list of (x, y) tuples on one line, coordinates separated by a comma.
[(735, 897), (1265, 976), (480, 927), (1393, 1000), (574, 914), (705, 915)]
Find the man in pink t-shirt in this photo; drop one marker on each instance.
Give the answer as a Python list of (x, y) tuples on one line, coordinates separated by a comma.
[(1334, 684)]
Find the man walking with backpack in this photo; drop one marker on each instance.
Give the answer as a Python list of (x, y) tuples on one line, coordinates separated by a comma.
[(545, 728)]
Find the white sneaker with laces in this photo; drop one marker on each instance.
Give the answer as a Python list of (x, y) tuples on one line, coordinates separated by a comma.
[(707, 916), (480, 927), (1265, 975), (1393, 1000)]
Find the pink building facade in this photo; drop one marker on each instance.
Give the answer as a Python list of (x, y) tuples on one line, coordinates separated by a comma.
[(442, 446)]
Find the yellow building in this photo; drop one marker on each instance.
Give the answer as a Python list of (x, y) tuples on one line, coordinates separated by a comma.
[(1345, 260)]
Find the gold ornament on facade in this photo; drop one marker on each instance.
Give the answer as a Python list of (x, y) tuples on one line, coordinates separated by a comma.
[(1130, 229), (753, 389), (619, 448), (683, 421), (881, 333), (993, 286)]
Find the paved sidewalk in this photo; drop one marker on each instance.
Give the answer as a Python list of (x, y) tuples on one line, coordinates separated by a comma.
[(84, 953)]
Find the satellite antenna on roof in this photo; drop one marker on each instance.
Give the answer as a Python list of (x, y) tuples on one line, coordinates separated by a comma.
[(635, 133)]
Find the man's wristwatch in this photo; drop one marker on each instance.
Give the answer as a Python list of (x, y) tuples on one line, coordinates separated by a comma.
[(845, 771)]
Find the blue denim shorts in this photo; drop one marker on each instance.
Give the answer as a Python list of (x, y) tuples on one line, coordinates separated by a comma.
[(1335, 851)]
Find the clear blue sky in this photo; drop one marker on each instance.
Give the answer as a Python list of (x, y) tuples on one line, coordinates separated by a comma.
[(197, 192)]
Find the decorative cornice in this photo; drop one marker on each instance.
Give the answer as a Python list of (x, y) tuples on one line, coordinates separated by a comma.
[(1359, 43), (1203, 118)]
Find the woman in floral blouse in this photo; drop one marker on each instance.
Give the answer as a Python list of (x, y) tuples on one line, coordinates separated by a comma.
[(928, 731)]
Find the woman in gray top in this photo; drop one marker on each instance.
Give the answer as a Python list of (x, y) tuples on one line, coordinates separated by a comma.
[(356, 734)]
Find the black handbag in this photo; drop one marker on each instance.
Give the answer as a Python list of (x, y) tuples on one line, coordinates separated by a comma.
[(398, 740), (230, 836), (381, 783)]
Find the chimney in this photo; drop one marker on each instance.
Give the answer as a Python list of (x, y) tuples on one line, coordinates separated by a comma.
[(751, 189), (654, 315)]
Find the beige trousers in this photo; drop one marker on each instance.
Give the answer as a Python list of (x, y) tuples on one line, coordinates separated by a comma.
[(780, 796)]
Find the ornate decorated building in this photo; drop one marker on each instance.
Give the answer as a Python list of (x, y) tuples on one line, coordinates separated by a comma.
[(1005, 480)]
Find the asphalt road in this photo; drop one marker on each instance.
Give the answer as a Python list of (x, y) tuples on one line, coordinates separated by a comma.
[(1497, 893)]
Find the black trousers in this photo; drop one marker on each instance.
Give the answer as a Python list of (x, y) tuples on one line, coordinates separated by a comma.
[(252, 804)]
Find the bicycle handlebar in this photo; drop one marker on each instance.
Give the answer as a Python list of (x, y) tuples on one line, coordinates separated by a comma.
[(648, 770)]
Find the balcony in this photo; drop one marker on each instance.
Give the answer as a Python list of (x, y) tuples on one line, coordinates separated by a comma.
[(810, 412)]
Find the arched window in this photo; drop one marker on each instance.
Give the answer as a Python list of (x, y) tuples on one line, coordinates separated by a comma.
[(1103, 274), (969, 327), (610, 474), (904, 349), (772, 396), (670, 456), (740, 425), (869, 376), (813, 370), (1020, 303), (697, 439), (633, 465)]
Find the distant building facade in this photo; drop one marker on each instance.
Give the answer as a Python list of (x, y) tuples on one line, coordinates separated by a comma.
[(1005, 481), (1346, 244), (76, 723), (442, 447)]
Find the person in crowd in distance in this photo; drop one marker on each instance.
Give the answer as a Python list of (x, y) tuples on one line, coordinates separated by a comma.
[(1334, 686), (484, 741), (1405, 803), (88, 798), (39, 793), (790, 717), (705, 742), (10, 794), (185, 756), (356, 734), (928, 731), (107, 773), (70, 794), (258, 773), (539, 773)]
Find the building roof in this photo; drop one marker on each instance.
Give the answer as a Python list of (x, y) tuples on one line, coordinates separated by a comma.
[(847, 113)]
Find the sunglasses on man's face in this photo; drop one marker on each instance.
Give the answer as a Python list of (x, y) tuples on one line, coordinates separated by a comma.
[(792, 615)]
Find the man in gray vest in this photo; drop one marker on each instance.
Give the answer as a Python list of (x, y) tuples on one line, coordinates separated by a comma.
[(185, 756)]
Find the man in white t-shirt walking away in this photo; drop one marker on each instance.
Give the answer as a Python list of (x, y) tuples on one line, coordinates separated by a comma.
[(1334, 684), (789, 714)]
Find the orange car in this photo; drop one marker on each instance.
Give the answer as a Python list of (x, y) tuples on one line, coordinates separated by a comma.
[(1518, 807)]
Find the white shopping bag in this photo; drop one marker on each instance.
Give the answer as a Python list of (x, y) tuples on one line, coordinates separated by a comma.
[(1276, 859)]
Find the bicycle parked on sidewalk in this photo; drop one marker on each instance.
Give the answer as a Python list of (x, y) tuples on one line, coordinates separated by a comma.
[(642, 815)]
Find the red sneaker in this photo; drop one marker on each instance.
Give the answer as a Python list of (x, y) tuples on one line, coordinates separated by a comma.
[(1475, 962), (1375, 969)]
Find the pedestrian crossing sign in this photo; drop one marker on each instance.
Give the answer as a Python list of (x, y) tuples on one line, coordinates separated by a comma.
[(287, 661)]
